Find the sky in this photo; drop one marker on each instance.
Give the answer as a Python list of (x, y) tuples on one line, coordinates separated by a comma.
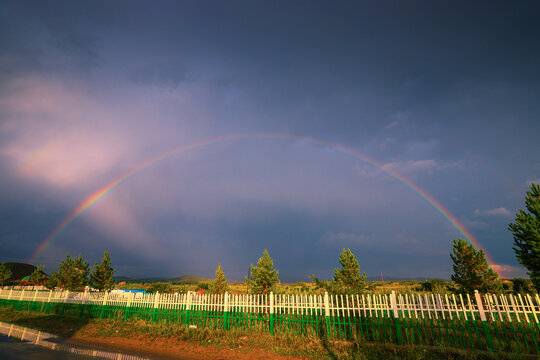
[(305, 128)]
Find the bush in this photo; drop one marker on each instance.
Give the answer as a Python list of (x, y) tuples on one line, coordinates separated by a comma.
[(161, 287), (202, 286), (522, 285), (434, 285)]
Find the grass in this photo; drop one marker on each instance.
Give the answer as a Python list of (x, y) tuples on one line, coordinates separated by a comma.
[(313, 345)]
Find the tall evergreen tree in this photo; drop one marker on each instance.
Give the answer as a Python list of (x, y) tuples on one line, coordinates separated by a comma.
[(347, 280), (102, 276), (471, 269), (52, 281), (38, 276), (73, 273), (219, 285), (526, 231), (264, 278), (5, 273)]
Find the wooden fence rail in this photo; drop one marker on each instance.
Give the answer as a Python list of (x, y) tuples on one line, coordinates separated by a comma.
[(481, 321)]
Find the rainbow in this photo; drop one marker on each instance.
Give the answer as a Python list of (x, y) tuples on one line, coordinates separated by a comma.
[(96, 196)]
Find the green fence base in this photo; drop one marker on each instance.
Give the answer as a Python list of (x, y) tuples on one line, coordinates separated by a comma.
[(487, 331), (398, 331), (225, 320), (328, 327)]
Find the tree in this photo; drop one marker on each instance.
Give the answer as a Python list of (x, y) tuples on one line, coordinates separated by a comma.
[(5, 273), (38, 276), (471, 269), (219, 285), (102, 276), (73, 273), (526, 231), (52, 281), (522, 286), (347, 280), (263, 277)]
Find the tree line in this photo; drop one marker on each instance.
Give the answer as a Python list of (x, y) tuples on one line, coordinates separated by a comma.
[(73, 274)]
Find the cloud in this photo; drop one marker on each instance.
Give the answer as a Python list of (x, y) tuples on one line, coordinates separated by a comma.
[(475, 224), (160, 74), (389, 141), (421, 166), (392, 125), (509, 271), (330, 238), (55, 134), (500, 211)]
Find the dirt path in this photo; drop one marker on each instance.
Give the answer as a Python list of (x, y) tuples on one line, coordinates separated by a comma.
[(174, 349)]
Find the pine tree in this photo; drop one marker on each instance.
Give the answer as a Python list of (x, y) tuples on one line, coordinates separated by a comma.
[(348, 277), (219, 285), (52, 281), (471, 269), (102, 276), (526, 231), (5, 273), (38, 276), (347, 280), (264, 278), (73, 273)]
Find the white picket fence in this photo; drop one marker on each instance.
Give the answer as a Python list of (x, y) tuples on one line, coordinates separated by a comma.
[(419, 306)]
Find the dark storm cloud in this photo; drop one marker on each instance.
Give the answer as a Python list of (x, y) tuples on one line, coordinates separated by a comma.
[(444, 93)]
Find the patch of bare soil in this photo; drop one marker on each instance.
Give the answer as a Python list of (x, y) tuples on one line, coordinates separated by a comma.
[(165, 348)]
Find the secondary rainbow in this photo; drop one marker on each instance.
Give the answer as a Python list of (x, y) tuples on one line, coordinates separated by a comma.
[(93, 198)]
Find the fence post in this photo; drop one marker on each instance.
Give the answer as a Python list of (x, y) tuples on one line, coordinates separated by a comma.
[(19, 303), (271, 312), (83, 303), (156, 305), (128, 305), (34, 298), (103, 304), (327, 313), (10, 292), (188, 308), (48, 301), (64, 302), (483, 317), (393, 301), (20, 299), (225, 310)]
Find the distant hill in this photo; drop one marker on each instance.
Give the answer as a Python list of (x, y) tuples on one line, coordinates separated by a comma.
[(19, 270), (139, 280), (182, 280)]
